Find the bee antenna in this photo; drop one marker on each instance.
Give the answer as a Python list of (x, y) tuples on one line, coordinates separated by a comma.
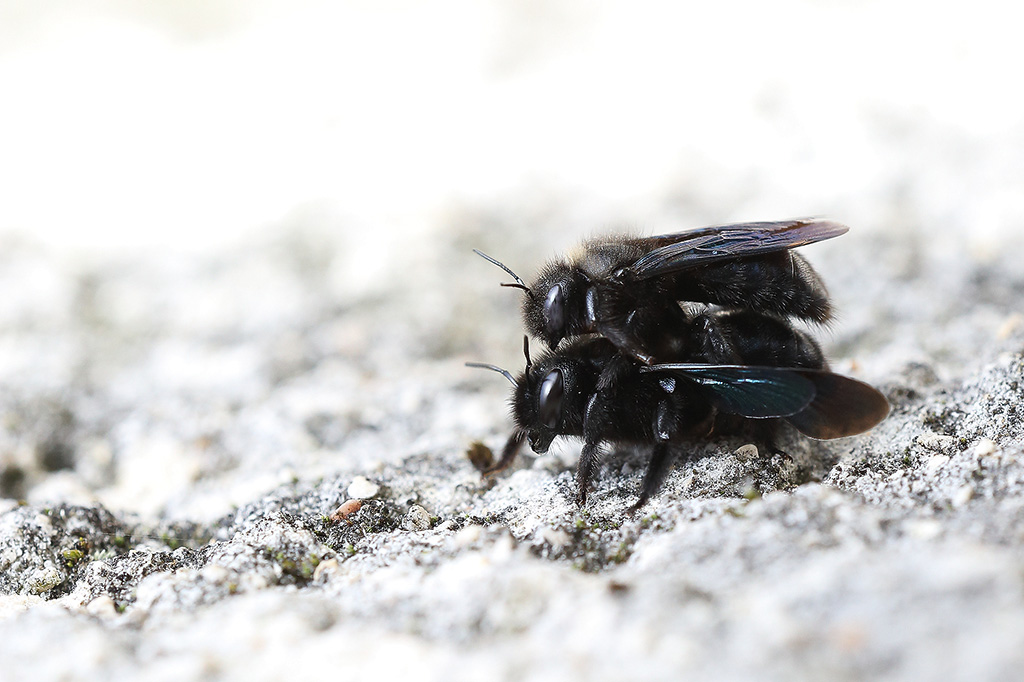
[(494, 368), (526, 352), (519, 283)]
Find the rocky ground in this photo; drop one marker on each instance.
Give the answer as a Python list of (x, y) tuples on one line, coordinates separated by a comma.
[(183, 439), (239, 296)]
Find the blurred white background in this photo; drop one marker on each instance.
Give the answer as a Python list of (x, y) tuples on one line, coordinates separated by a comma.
[(189, 125)]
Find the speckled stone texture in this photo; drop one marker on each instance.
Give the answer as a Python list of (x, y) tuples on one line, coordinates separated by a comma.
[(181, 473), (249, 461)]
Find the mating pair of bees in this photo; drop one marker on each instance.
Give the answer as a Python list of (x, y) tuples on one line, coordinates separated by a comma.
[(662, 340)]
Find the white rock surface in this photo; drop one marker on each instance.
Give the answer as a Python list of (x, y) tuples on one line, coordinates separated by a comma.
[(180, 423)]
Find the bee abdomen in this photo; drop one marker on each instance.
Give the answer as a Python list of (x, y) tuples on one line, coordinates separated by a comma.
[(779, 283)]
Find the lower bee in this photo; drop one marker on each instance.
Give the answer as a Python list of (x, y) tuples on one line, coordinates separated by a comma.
[(742, 366)]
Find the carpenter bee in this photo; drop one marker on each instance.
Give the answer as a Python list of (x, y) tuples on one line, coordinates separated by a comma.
[(626, 288), (590, 390)]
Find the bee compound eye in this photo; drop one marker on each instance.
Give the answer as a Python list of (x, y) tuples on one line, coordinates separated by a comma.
[(550, 408), (554, 312)]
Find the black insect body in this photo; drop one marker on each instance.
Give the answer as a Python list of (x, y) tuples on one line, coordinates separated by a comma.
[(750, 366), (627, 289)]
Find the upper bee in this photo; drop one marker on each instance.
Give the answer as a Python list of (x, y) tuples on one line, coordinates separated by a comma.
[(620, 288)]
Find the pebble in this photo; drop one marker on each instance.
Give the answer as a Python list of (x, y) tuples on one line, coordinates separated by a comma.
[(962, 496), (985, 448), (468, 535), (936, 462), (43, 579), (320, 573), (215, 574), (934, 441), (557, 539), (503, 548), (417, 518), (345, 510), (102, 606), (923, 529), (361, 488), (1009, 326), (745, 453), (8, 557)]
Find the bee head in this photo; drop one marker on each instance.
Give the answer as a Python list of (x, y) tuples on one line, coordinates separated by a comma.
[(549, 397), (538, 401), (554, 310), (536, 398), (554, 306), (541, 406)]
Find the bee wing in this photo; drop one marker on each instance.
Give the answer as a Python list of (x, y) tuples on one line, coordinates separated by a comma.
[(674, 252), (757, 392), (818, 403), (841, 407)]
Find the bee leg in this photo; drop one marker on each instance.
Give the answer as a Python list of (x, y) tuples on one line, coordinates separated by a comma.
[(593, 418), (774, 449), (625, 341), (596, 419), (763, 433), (508, 453), (585, 471), (665, 428), (653, 477)]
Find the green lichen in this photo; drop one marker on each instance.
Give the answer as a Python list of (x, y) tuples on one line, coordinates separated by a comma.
[(300, 569), (72, 557), (596, 543), (621, 553), (171, 541), (736, 511)]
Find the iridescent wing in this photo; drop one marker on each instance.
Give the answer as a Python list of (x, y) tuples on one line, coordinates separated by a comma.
[(673, 253)]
